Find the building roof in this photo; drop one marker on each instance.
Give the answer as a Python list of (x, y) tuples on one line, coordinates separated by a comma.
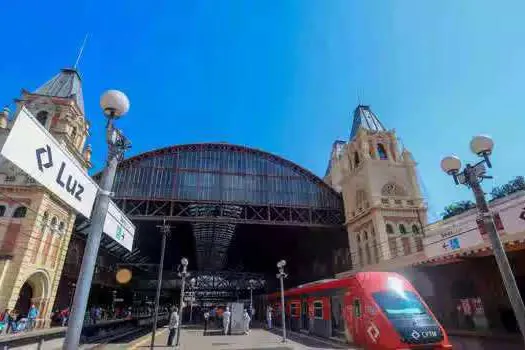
[(66, 84), (364, 118)]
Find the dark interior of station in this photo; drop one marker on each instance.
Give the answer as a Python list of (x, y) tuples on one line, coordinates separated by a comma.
[(254, 250)]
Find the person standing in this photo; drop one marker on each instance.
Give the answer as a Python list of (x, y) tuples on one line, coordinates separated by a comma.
[(226, 320), (246, 318), (31, 317), (269, 317), (206, 318), (173, 325)]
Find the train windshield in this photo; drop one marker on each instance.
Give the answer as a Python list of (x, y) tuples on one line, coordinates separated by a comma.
[(399, 304)]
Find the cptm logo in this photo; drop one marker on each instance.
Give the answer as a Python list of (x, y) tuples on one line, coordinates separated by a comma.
[(44, 159)]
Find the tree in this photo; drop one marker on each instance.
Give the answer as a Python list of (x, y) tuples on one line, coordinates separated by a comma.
[(514, 185), (457, 208)]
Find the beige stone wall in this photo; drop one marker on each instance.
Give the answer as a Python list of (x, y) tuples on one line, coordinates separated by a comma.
[(37, 253), (380, 189)]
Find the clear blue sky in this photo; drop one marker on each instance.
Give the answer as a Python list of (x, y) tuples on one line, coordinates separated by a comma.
[(284, 75)]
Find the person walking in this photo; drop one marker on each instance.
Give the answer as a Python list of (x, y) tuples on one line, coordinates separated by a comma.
[(246, 321), (173, 325), (226, 320), (31, 317), (206, 318)]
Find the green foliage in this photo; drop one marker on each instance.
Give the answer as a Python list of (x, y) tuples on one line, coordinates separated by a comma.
[(457, 208), (515, 185)]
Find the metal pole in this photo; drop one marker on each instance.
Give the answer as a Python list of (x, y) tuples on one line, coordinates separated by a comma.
[(89, 259), (191, 311), (159, 285), (281, 277), (183, 276), (251, 301), (499, 252)]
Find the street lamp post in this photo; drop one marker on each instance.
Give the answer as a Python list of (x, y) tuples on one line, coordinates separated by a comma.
[(182, 274), (114, 104), (472, 176), (281, 276), (165, 231)]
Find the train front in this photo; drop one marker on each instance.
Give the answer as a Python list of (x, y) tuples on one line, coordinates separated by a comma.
[(407, 320)]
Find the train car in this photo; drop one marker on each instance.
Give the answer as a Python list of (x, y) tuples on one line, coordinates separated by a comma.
[(374, 310)]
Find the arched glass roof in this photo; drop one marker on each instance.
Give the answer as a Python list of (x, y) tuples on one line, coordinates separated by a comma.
[(220, 172)]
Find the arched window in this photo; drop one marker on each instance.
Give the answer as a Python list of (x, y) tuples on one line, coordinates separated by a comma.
[(61, 226), (73, 134), (402, 229), (373, 233), (415, 229), (381, 152), (42, 117), (20, 212), (389, 229), (2, 210), (54, 223), (45, 217), (358, 238), (356, 159), (366, 236)]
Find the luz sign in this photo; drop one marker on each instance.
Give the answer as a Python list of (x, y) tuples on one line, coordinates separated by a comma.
[(31, 148)]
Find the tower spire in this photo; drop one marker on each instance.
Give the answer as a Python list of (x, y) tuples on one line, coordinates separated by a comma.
[(81, 51), (364, 118)]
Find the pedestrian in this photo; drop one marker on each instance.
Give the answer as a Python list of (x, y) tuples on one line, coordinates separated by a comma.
[(64, 315), (5, 321), (173, 325), (206, 318), (31, 317), (269, 317), (226, 320), (246, 321)]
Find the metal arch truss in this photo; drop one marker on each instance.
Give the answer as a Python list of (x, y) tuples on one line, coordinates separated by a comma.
[(148, 209), (213, 239), (225, 285)]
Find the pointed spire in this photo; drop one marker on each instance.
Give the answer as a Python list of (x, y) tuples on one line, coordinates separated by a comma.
[(364, 118), (66, 84)]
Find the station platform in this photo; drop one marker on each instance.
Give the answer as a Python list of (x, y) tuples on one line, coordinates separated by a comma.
[(193, 339)]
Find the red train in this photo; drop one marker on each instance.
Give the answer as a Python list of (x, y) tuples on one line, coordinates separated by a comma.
[(375, 310)]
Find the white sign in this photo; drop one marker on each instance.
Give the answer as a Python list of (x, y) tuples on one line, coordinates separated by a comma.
[(119, 227), (452, 237), (34, 150)]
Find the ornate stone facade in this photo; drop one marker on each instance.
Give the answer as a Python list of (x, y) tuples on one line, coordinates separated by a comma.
[(384, 209), (35, 226)]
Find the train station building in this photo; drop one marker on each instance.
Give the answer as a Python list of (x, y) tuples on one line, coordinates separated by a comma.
[(234, 211)]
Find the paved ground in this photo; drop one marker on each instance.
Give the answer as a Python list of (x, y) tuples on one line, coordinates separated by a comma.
[(472, 343), (257, 339)]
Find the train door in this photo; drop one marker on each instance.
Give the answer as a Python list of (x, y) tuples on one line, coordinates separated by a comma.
[(304, 315), (338, 326)]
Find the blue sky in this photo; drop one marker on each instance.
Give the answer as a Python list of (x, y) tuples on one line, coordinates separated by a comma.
[(284, 76)]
